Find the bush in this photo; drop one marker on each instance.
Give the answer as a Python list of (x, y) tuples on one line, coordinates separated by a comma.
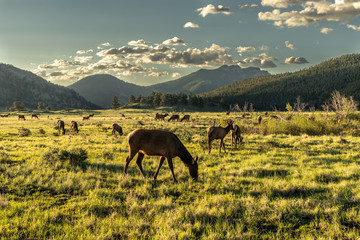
[(73, 157), (42, 131), (24, 132)]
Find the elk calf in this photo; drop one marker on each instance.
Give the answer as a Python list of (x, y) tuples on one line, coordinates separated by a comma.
[(116, 128), (236, 137), (259, 118), (74, 126), (61, 126), (174, 117), (159, 143), (218, 133)]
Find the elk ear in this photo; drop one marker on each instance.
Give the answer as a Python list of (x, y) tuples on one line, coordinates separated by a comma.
[(196, 159)]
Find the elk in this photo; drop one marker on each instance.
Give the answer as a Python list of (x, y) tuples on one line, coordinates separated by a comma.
[(218, 133), (259, 118), (185, 117), (5, 115), (61, 126), (160, 116), (74, 126), (86, 118), (22, 117), (91, 115), (33, 115), (116, 128), (159, 143), (174, 117), (236, 137)]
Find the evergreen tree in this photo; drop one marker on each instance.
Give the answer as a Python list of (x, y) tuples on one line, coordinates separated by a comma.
[(41, 106), (115, 103), (18, 105)]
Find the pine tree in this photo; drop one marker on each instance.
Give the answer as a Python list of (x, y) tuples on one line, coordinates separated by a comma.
[(115, 103)]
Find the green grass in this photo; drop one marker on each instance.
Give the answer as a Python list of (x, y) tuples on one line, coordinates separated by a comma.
[(280, 184)]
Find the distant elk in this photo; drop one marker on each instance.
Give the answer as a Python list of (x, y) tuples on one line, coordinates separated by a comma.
[(116, 128), (159, 143), (218, 133), (21, 117), (74, 126), (185, 117), (86, 118), (227, 113), (34, 116), (259, 118), (236, 137), (61, 126), (159, 116), (174, 117), (91, 115), (5, 115)]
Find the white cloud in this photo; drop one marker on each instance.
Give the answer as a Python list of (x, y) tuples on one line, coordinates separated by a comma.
[(158, 74), (140, 42), (84, 51), (326, 30), (262, 61), (295, 60), (174, 41), (241, 49), (248, 6), (83, 59), (191, 25), (211, 9), (107, 44), (289, 45), (281, 3), (264, 48), (122, 51), (176, 75), (356, 28)]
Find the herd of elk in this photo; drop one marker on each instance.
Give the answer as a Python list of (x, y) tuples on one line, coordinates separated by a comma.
[(159, 143), (218, 133)]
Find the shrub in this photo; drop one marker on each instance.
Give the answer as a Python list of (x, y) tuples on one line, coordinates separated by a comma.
[(73, 157), (42, 131), (24, 132)]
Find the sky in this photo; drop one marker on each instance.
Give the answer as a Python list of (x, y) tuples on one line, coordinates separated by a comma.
[(151, 41)]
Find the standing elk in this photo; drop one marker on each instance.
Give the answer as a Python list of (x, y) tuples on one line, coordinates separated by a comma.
[(159, 143), (74, 126), (185, 117), (174, 117), (21, 117), (160, 116), (218, 133), (33, 115), (236, 137), (259, 118), (116, 128), (61, 126), (91, 115), (86, 118)]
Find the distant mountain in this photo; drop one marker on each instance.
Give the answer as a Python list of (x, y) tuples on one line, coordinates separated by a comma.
[(314, 85), (205, 80), (24, 86), (101, 88)]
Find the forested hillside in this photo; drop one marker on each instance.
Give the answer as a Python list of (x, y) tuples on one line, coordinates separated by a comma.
[(314, 85)]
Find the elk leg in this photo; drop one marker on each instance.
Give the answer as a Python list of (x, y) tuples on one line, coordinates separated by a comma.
[(128, 159), (209, 145), (223, 144), (139, 162), (169, 160), (162, 159)]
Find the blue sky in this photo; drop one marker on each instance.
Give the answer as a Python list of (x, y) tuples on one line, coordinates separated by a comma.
[(151, 41)]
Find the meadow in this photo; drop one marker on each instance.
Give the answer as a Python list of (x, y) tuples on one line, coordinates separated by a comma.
[(291, 178)]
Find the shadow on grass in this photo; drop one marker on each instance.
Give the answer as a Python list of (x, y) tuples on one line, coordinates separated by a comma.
[(297, 192), (264, 173), (108, 167)]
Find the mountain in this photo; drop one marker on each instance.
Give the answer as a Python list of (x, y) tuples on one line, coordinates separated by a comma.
[(314, 85), (24, 86), (205, 80), (101, 88)]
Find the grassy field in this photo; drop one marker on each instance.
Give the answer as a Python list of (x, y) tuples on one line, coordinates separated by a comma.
[(293, 178)]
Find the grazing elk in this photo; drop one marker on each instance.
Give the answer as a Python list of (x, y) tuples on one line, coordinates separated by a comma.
[(116, 128), (61, 126), (5, 115), (22, 117), (160, 116), (236, 137), (86, 118), (218, 133), (91, 115), (33, 115), (74, 126), (185, 117), (159, 143), (259, 118), (174, 117)]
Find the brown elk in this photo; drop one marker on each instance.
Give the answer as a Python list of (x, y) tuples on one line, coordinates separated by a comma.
[(259, 118), (22, 117), (33, 115), (91, 115), (160, 116), (159, 143), (116, 128), (5, 115), (74, 126), (185, 117), (61, 126), (236, 137), (86, 118), (174, 117), (218, 133)]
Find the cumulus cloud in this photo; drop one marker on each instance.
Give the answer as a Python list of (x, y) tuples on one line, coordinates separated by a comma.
[(241, 49), (211, 9), (84, 51), (83, 59), (107, 44), (264, 48), (122, 51), (356, 28), (326, 30), (248, 6), (140, 42), (176, 75), (312, 12), (158, 74), (295, 60), (174, 41), (262, 61), (289, 45), (191, 25)]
